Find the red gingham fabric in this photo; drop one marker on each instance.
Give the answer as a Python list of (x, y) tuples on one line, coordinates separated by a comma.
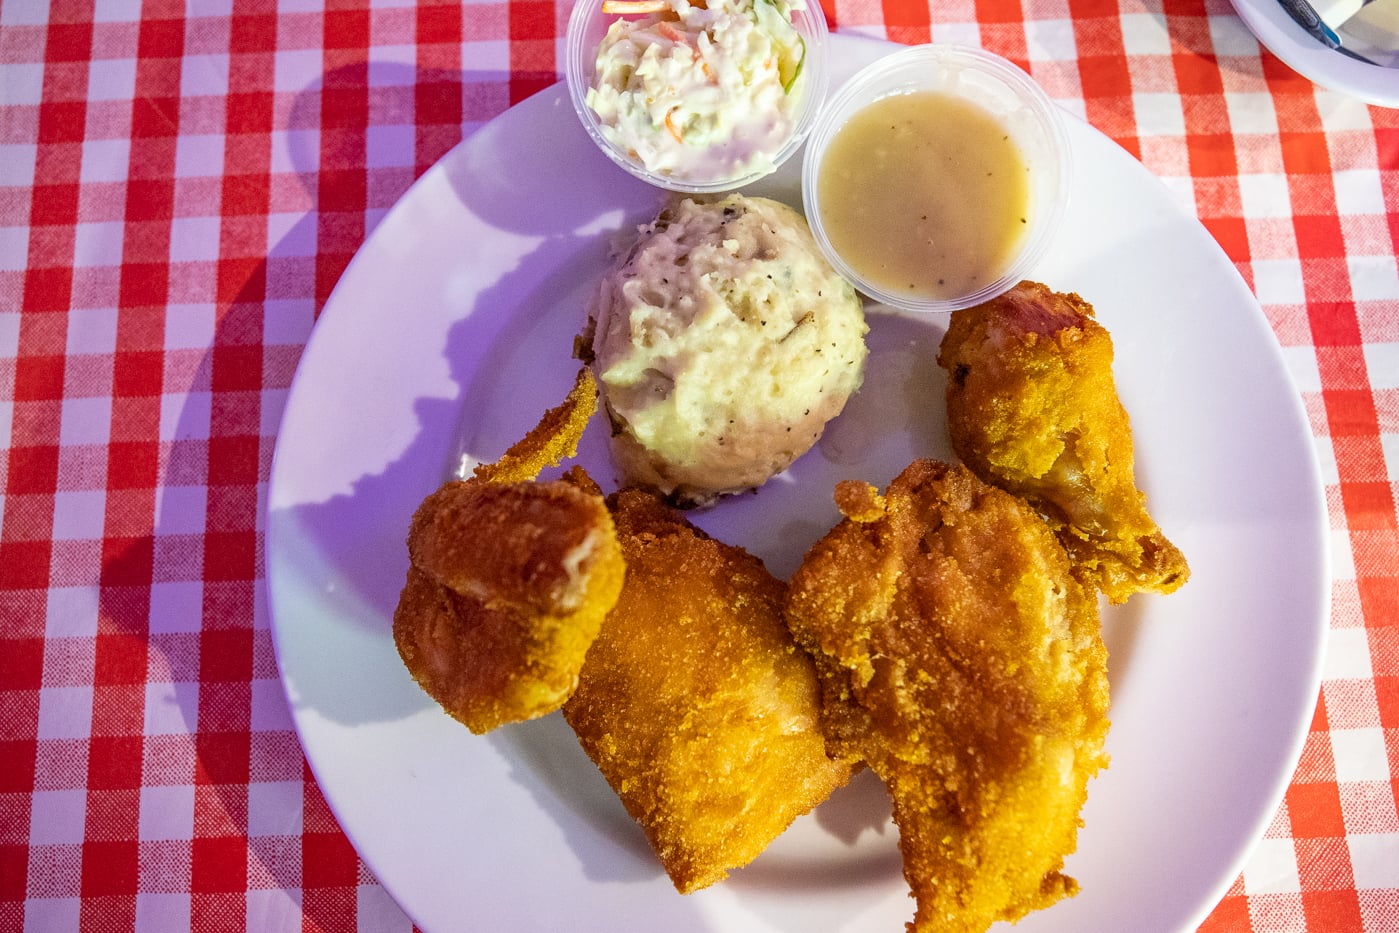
[(181, 184)]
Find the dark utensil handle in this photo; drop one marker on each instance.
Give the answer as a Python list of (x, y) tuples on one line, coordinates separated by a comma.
[(1307, 18)]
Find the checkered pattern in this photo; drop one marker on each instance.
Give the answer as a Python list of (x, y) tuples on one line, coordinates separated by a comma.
[(181, 184)]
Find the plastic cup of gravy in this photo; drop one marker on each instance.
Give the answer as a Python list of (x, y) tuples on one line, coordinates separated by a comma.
[(697, 98), (935, 178)]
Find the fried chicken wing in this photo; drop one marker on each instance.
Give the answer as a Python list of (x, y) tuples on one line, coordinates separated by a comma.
[(962, 660), (694, 702), (507, 588), (1032, 408), (509, 579)]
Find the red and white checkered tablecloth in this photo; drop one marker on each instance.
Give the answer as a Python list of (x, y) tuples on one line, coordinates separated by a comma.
[(152, 152)]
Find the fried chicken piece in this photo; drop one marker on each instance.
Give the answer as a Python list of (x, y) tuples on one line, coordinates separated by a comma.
[(694, 702), (962, 660), (551, 441), (508, 587), (1032, 408), (509, 579)]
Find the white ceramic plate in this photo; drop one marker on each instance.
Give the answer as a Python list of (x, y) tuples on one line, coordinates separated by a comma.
[(455, 321), (1311, 59)]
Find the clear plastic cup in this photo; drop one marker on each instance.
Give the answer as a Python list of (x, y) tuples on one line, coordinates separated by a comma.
[(982, 78), (588, 24)]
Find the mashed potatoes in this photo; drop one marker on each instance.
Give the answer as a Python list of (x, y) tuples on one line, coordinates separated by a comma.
[(724, 342)]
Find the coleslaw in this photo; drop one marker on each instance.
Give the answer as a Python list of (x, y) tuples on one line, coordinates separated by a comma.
[(699, 91)]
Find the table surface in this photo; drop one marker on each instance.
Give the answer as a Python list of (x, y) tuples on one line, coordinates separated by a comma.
[(152, 155)]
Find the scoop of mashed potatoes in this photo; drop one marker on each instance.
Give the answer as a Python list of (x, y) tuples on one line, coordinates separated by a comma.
[(724, 342)]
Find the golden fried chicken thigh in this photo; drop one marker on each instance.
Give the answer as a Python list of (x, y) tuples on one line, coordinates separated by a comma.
[(1032, 407), (962, 660), (694, 702)]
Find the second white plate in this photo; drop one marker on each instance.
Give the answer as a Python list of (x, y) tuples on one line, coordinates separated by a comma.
[(1307, 56)]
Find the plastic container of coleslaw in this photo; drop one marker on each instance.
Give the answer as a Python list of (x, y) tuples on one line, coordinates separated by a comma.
[(700, 97)]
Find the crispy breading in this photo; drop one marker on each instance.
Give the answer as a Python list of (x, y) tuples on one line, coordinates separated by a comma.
[(962, 660), (1032, 407), (551, 441), (509, 579), (694, 702), (507, 588)]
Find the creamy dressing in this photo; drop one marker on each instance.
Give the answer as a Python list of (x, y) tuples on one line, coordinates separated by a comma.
[(925, 194), (701, 93)]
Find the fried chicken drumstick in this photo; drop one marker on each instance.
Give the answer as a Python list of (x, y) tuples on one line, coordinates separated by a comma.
[(509, 579), (1032, 408), (962, 660), (694, 702)]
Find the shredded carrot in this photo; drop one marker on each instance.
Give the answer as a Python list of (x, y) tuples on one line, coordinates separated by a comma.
[(670, 125), (634, 6), (673, 34)]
